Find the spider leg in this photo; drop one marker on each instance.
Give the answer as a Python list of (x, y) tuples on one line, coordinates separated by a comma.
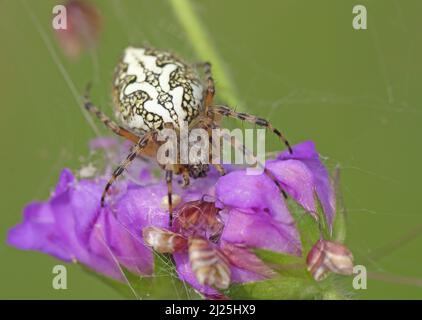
[(228, 112), (106, 120), (210, 83), (240, 146), (186, 178), (219, 168), (141, 144), (169, 181), (208, 125)]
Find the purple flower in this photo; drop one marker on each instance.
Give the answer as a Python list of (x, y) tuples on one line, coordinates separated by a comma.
[(245, 212), (72, 227), (255, 216), (306, 154), (217, 244)]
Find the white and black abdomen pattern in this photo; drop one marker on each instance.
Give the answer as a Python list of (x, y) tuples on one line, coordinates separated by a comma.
[(153, 87)]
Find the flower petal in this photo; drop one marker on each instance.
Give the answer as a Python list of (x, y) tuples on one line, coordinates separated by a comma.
[(37, 232), (258, 216), (260, 230), (245, 265), (307, 154), (76, 212), (140, 207), (297, 180), (71, 226), (255, 192)]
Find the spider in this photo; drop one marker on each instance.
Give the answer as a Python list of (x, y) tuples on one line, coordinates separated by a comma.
[(155, 89)]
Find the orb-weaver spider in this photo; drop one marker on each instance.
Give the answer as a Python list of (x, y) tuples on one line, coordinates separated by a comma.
[(153, 90)]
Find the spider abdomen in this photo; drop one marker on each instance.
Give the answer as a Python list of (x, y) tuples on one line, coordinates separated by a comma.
[(153, 87)]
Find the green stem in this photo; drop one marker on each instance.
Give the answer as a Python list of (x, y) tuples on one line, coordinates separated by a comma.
[(204, 49), (340, 221)]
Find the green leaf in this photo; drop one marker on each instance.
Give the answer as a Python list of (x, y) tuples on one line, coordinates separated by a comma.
[(278, 288), (293, 288), (284, 264), (164, 284)]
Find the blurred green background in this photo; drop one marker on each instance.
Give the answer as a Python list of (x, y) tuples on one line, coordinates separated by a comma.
[(357, 94)]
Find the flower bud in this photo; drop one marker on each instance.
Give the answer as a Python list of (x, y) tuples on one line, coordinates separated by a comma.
[(163, 241), (208, 263), (328, 256), (82, 29)]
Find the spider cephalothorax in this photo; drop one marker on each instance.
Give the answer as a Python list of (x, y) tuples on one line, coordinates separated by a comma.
[(153, 90)]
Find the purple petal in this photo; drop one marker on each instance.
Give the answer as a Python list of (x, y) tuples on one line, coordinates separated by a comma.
[(141, 206), (257, 229), (258, 216), (307, 154), (297, 180), (145, 175), (245, 265), (65, 180), (199, 187), (76, 212), (72, 226), (125, 246), (256, 192), (37, 232), (138, 208)]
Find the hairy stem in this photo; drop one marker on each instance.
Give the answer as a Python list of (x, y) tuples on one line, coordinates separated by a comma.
[(205, 50)]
